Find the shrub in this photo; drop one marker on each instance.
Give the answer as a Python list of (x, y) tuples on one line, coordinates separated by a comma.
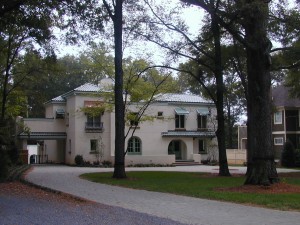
[(4, 161), (79, 160), (288, 155), (150, 165), (297, 158), (106, 163), (96, 163)]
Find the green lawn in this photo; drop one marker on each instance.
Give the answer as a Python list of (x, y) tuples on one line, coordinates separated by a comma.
[(201, 185)]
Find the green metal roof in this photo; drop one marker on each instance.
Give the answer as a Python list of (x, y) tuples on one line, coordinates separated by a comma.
[(43, 135), (203, 111), (181, 111)]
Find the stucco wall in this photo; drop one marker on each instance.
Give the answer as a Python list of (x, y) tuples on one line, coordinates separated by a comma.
[(77, 135), (154, 145), (45, 125)]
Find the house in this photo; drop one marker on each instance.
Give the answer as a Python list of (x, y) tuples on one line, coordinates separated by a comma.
[(182, 127), (285, 121)]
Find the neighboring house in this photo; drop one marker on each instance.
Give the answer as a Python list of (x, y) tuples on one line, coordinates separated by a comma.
[(242, 137), (182, 128), (285, 121)]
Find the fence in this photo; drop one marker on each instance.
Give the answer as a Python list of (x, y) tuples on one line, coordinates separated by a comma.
[(236, 156)]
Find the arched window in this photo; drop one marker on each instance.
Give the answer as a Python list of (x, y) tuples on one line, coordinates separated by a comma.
[(134, 146)]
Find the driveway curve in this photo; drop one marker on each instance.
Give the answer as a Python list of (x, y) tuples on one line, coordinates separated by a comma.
[(178, 208)]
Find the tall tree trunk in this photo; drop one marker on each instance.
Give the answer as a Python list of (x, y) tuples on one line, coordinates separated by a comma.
[(261, 170), (223, 164), (119, 167)]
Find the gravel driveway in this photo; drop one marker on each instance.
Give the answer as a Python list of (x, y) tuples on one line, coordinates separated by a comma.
[(178, 208), (24, 205)]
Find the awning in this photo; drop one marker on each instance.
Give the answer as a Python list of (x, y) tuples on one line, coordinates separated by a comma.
[(43, 135), (60, 113), (181, 111), (203, 111), (191, 134)]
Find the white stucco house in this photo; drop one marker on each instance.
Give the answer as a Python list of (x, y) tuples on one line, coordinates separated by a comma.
[(182, 128)]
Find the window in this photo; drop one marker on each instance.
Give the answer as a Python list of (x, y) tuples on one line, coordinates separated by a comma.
[(278, 141), (180, 118), (94, 122), (93, 145), (160, 114), (179, 121), (202, 114), (133, 119), (202, 147), (202, 122), (134, 146), (60, 113), (278, 117)]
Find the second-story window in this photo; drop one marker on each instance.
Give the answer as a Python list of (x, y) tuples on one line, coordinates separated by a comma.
[(278, 117), (93, 121), (202, 122), (179, 121), (60, 113), (134, 119), (202, 114), (180, 114)]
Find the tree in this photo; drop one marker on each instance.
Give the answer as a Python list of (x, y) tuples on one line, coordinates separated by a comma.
[(27, 24), (261, 168), (284, 25), (41, 78), (97, 62), (142, 83), (31, 77), (205, 51), (115, 12), (254, 20), (287, 61)]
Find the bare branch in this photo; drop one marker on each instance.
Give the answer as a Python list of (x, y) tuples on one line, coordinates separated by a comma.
[(110, 13)]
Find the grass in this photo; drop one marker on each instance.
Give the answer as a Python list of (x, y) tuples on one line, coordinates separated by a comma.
[(201, 185)]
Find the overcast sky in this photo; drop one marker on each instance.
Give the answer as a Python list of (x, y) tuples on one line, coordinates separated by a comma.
[(191, 15)]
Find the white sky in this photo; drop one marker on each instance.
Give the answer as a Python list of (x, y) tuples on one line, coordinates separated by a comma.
[(191, 15)]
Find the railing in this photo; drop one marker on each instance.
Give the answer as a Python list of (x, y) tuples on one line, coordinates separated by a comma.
[(93, 127)]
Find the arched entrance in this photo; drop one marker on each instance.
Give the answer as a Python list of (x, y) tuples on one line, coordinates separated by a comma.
[(177, 148)]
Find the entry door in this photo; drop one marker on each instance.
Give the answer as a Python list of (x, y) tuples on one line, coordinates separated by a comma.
[(177, 150)]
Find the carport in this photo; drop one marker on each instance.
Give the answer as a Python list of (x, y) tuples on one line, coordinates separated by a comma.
[(43, 153)]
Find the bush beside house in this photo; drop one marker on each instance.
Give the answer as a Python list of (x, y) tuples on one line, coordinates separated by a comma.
[(290, 156)]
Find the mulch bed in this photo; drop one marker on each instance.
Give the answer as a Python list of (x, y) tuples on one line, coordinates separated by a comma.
[(278, 188), (20, 189)]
